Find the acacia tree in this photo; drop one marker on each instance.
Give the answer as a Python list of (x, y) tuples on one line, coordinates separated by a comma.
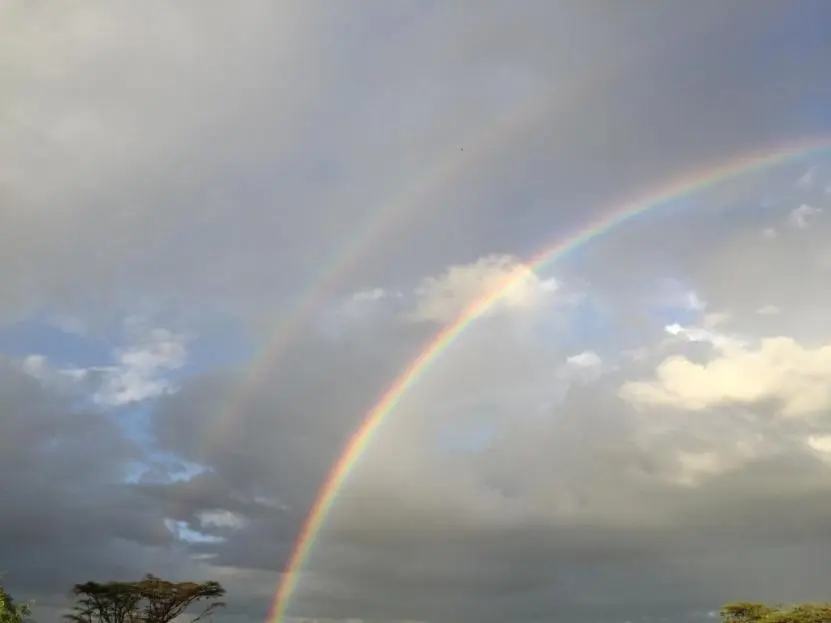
[(149, 600), (12, 612), (751, 612)]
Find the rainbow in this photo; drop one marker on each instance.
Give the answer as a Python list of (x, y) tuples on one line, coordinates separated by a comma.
[(425, 191), (677, 188)]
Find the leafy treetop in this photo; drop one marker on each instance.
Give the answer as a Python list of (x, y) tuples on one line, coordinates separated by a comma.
[(12, 612), (750, 612), (149, 600)]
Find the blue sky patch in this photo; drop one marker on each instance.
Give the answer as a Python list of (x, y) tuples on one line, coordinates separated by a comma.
[(63, 348)]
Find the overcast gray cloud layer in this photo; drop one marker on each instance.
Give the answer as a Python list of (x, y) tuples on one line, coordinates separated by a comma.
[(622, 437), (203, 146)]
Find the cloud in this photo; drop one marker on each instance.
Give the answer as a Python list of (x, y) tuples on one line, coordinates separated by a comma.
[(79, 147), (496, 452), (704, 334), (140, 371), (171, 169), (516, 465), (57, 461), (768, 310), (807, 180), (800, 217), (40, 368), (778, 369), (586, 359), (442, 299)]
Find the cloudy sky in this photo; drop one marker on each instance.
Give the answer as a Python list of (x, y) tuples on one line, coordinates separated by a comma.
[(228, 227)]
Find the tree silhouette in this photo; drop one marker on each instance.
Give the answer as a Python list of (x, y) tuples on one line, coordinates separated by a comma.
[(149, 600)]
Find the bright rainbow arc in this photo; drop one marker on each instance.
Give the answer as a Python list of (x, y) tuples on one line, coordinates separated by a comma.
[(360, 440)]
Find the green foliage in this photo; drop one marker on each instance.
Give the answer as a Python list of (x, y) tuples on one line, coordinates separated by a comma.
[(749, 612), (745, 612), (12, 612), (150, 600)]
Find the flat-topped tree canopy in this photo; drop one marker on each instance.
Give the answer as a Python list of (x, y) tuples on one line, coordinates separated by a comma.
[(149, 600)]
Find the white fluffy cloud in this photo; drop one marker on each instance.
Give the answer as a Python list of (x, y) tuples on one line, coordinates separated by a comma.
[(705, 334), (777, 369), (140, 369), (442, 299), (586, 359)]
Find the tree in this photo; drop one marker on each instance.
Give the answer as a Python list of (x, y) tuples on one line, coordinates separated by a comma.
[(750, 612), (149, 600), (109, 602), (12, 612), (746, 612)]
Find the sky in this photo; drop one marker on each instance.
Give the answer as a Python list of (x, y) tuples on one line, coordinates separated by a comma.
[(228, 228)]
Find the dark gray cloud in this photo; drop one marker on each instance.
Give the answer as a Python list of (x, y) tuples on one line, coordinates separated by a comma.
[(204, 165), (569, 514), (588, 506), (67, 516)]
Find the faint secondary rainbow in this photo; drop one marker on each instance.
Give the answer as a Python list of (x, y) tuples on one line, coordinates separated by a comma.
[(424, 191), (678, 187), (382, 224)]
